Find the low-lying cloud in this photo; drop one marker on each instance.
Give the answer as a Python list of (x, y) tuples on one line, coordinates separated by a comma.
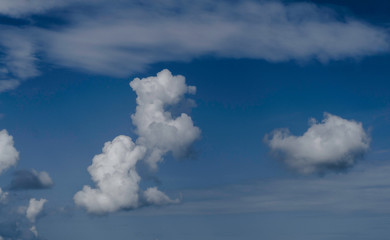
[(334, 144)]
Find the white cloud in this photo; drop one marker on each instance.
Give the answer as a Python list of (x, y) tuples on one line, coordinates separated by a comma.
[(333, 144), (44, 178), (34, 208), (154, 196), (114, 171), (156, 128), (18, 60), (115, 176), (158, 31), (9, 156), (179, 31)]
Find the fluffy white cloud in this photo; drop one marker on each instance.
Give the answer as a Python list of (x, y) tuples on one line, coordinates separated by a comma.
[(114, 170), (156, 128), (116, 178), (9, 156), (333, 144), (34, 208)]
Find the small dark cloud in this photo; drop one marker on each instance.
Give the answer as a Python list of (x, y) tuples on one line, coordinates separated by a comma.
[(30, 179)]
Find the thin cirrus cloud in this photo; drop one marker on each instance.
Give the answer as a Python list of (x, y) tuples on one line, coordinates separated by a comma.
[(114, 170), (363, 191), (19, 60), (30, 179), (158, 31), (335, 144)]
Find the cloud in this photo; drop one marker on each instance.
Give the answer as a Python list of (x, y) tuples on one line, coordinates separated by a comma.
[(268, 30), (34, 208), (7, 85), (156, 128), (114, 170), (115, 176), (365, 190), (26, 179), (18, 60), (33, 229), (331, 145), (18, 8), (3, 196), (155, 197), (159, 31), (9, 156)]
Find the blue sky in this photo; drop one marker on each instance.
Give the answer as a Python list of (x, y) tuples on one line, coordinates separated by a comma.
[(201, 149)]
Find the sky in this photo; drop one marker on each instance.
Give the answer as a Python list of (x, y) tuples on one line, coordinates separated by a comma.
[(172, 120)]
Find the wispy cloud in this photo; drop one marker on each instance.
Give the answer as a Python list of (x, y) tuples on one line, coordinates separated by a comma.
[(126, 37), (365, 189), (268, 30)]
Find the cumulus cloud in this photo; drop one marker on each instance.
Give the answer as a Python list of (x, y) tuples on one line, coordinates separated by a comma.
[(114, 170), (116, 178), (34, 208), (333, 144), (157, 31), (30, 179), (9, 156), (156, 128)]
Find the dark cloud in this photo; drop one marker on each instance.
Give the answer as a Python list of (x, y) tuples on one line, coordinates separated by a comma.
[(30, 179)]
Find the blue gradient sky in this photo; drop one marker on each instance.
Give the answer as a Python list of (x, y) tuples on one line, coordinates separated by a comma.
[(61, 118)]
